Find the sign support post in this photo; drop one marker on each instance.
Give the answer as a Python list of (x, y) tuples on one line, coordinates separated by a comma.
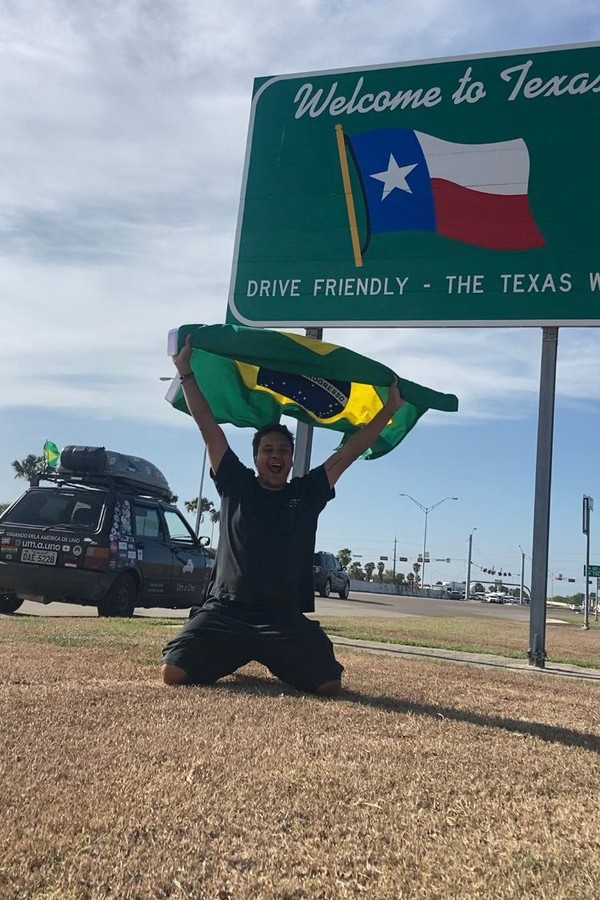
[(588, 505), (541, 511), (304, 432)]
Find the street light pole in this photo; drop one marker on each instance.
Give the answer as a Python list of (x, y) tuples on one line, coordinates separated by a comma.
[(199, 507), (468, 581), (426, 510), (200, 490), (522, 575)]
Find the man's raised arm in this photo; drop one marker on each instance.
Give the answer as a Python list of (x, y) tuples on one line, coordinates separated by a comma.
[(361, 440), (211, 431)]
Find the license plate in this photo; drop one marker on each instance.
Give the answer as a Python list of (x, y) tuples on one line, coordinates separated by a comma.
[(41, 557)]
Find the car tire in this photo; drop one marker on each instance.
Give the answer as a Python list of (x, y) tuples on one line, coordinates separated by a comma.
[(326, 589), (345, 592), (120, 599), (9, 604)]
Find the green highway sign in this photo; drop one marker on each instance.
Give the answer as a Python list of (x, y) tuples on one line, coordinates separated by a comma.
[(444, 192), (593, 573)]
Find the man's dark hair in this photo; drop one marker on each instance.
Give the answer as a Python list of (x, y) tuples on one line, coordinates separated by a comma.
[(268, 429)]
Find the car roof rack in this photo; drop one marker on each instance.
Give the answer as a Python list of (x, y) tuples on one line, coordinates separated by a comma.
[(99, 467)]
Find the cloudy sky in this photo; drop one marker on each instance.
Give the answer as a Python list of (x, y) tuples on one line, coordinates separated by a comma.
[(121, 156)]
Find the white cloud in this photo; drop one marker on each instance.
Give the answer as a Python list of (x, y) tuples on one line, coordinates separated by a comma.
[(124, 128)]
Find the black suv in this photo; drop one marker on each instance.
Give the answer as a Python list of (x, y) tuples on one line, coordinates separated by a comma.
[(102, 533), (330, 576)]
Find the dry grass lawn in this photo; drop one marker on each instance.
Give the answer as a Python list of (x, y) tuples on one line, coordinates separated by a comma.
[(424, 780), (566, 641)]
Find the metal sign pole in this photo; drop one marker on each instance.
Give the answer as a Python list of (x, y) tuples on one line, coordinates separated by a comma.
[(522, 576), (541, 512), (304, 432)]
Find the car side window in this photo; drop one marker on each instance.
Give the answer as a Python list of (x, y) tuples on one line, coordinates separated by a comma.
[(178, 529), (147, 522)]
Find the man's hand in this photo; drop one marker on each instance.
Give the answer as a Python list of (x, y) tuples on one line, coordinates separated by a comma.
[(181, 360), (362, 439), (395, 399)]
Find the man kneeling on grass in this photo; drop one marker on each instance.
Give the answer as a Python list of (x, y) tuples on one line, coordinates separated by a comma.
[(263, 574)]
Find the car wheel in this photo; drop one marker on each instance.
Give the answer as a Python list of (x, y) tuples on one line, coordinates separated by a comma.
[(120, 599), (9, 603), (326, 589), (345, 592)]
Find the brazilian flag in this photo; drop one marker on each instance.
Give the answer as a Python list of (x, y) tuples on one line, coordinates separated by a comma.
[(51, 454), (251, 377)]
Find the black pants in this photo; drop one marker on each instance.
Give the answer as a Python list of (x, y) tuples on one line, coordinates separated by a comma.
[(215, 642)]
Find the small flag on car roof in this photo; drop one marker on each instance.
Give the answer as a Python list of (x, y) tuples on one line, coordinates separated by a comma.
[(51, 454)]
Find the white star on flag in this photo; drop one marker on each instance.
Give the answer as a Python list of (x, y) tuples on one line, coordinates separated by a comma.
[(394, 177)]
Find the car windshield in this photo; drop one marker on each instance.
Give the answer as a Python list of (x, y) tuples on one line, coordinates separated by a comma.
[(56, 509)]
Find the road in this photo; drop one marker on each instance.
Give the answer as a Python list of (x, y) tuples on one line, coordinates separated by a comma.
[(358, 604), (392, 605)]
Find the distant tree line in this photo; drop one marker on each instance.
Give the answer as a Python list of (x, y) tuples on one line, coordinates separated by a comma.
[(377, 572)]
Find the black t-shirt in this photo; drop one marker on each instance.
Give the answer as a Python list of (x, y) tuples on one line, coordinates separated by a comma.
[(266, 538)]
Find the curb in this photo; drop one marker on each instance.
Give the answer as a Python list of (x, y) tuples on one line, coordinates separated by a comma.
[(483, 660)]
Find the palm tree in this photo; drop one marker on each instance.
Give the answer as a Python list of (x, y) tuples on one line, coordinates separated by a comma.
[(355, 571), (344, 557), (205, 506), (416, 570), (30, 467), (215, 518), (369, 570)]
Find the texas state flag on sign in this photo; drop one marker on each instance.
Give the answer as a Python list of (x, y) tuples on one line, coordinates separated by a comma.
[(474, 193)]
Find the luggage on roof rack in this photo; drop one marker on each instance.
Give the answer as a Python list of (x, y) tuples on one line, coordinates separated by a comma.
[(100, 467)]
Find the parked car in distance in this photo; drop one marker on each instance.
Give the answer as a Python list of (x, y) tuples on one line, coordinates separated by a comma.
[(330, 576), (102, 533)]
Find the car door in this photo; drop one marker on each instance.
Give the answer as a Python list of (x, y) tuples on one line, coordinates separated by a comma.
[(191, 566), (154, 557), (337, 579)]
